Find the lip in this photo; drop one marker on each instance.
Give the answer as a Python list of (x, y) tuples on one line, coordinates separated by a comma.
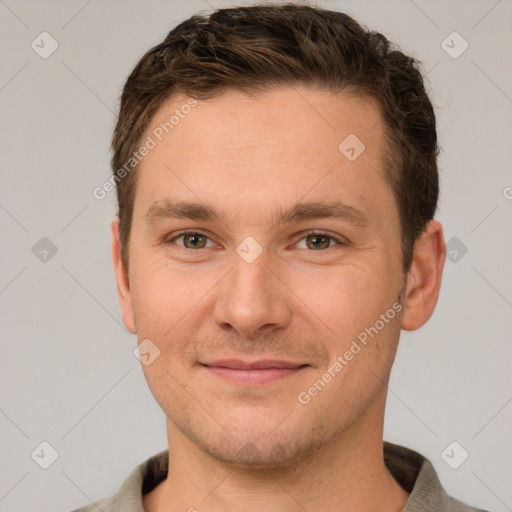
[(239, 364), (255, 373)]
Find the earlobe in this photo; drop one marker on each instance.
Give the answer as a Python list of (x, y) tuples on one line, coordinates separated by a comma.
[(124, 294), (424, 277)]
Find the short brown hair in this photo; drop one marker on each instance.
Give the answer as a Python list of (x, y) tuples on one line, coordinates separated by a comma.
[(257, 47)]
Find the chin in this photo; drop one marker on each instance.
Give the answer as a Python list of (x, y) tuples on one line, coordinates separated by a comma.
[(251, 449)]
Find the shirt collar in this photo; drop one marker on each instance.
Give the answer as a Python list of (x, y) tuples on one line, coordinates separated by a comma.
[(410, 469)]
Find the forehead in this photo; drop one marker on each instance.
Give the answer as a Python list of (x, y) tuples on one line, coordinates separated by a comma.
[(299, 115), (277, 146)]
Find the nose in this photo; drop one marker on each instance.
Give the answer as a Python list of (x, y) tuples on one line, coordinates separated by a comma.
[(252, 299)]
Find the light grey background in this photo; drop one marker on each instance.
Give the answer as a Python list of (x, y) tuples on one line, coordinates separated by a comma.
[(68, 373)]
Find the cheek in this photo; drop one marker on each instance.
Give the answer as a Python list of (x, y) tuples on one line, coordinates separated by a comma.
[(345, 299), (153, 305), (166, 298)]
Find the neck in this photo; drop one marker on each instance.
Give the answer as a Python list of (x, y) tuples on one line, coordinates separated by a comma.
[(346, 474)]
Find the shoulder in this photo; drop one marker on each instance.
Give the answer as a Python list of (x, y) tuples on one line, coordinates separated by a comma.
[(458, 506), (416, 474), (129, 497), (104, 505)]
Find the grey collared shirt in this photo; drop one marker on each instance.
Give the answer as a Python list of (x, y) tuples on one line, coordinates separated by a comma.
[(411, 470)]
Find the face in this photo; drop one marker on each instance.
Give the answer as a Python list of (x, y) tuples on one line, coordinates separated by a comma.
[(265, 271)]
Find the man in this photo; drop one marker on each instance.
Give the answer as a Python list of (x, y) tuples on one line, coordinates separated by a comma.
[(277, 184)]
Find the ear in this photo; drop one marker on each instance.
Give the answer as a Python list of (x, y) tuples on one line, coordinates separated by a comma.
[(424, 277), (122, 280)]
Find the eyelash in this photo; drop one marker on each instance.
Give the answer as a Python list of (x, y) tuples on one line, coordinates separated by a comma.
[(305, 235)]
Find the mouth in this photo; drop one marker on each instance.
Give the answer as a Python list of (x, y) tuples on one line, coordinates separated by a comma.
[(255, 373)]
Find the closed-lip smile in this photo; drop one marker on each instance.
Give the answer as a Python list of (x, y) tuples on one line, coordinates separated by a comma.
[(253, 373)]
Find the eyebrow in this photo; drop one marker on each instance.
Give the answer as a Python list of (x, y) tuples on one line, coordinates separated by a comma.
[(167, 209)]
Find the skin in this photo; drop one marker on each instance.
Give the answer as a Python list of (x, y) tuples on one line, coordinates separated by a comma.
[(257, 448)]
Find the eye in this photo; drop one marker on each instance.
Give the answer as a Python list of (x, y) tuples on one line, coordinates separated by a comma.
[(192, 240), (317, 241), (314, 240)]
